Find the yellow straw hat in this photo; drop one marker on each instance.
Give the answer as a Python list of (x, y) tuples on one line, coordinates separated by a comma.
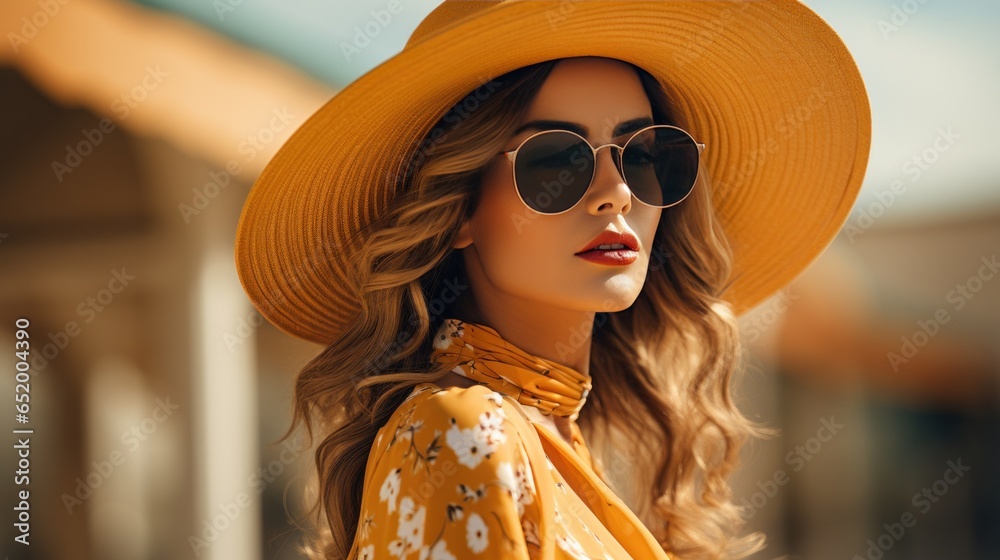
[(768, 86)]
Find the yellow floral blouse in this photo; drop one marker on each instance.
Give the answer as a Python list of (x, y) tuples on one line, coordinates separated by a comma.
[(463, 473)]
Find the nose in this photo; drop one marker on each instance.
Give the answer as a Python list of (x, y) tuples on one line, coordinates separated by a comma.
[(608, 192)]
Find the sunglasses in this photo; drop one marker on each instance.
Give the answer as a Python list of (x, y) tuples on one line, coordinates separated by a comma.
[(554, 169)]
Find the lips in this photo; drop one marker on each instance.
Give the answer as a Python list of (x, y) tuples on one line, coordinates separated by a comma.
[(612, 240), (611, 248)]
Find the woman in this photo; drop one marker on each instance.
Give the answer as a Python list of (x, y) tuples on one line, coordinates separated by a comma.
[(513, 218)]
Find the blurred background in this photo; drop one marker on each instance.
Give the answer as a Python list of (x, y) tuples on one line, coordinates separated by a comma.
[(132, 132)]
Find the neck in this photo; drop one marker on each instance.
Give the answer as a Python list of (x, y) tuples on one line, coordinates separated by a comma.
[(558, 335)]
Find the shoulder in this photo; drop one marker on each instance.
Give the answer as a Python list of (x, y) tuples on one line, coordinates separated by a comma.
[(452, 472), (458, 403), (475, 423)]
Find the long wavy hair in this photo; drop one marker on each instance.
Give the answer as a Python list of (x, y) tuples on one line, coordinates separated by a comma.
[(662, 368)]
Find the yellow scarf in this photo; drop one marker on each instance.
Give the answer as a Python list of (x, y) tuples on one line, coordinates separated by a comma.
[(479, 353)]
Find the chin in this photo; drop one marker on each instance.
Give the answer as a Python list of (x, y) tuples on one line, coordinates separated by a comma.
[(606, 300)]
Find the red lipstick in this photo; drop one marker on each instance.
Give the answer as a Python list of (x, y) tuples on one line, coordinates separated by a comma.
[(611, 248)]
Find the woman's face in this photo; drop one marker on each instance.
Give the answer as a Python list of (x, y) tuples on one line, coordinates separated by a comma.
[(516, 257)]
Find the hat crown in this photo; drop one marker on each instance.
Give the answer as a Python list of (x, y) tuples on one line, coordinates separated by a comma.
[(447, 14)]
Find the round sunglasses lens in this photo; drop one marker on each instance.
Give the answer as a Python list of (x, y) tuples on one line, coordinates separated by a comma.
[(661, 165), (553, 170)]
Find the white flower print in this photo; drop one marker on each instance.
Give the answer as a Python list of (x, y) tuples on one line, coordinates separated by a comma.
[(406, 432), (525, 480), (476, 533), (505, 474), (442, 338), (397, 547), (411, 524), (472, 444), (455, 512), (447, 332), (366, 525), (571, 546), (390, 489), (438, 552), (530, 529), (496, 398), (467, 448), (490, 427), (367, 552), (518, 484)]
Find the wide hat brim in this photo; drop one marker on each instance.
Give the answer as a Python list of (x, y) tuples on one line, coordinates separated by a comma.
[(769, 87)]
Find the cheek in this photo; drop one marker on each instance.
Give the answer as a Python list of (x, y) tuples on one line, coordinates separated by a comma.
[(508, 236), (646, 222), (650, 223), (494, 222)]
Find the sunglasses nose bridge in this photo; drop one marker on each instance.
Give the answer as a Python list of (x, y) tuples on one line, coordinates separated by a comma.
[(616, 157)]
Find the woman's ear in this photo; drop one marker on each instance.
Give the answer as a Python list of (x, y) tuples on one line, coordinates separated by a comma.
[(464, 237)]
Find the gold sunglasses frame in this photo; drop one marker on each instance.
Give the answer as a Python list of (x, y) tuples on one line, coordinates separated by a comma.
[(512, 155)]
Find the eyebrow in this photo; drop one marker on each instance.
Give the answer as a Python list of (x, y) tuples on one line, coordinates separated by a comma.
[(546, 124)]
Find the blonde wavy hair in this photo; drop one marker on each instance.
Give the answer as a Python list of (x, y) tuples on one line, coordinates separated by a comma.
[(662, 368)]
